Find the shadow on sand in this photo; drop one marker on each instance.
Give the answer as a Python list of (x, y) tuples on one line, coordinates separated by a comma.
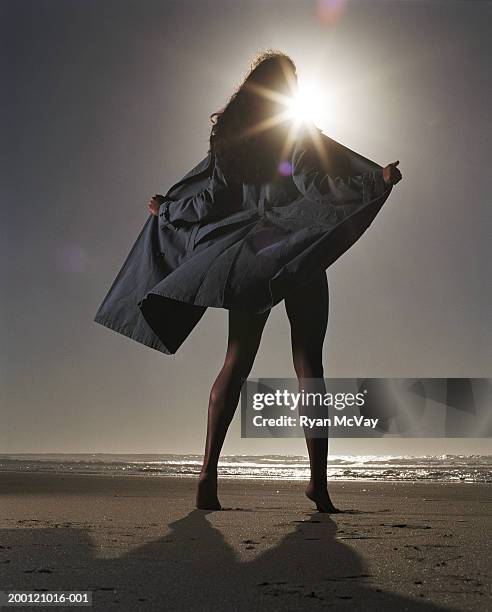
[(194, 568)]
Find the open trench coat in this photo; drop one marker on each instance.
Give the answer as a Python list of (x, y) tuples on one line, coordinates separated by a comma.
[(241, 247)]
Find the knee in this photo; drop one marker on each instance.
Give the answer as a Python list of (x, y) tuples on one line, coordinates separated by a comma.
[(229, 381), (239, 361), (238, 370), (308, 365)]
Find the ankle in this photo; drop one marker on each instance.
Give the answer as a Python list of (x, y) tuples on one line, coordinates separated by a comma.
[(318, 483)]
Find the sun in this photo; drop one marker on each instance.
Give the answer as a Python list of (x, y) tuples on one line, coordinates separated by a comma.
[(304, 105)]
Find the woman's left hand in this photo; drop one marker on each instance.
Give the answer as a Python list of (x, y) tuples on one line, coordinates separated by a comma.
[(155, 203)]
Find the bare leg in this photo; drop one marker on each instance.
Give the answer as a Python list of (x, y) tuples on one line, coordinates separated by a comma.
[(307, 310), (245, 330)]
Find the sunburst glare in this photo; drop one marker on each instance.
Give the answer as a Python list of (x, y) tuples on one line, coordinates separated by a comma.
[(305, 105)]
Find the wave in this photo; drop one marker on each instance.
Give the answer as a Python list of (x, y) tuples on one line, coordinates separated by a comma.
[(437, 468)]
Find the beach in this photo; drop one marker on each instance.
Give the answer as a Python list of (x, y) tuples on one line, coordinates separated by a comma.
[(137, 543)]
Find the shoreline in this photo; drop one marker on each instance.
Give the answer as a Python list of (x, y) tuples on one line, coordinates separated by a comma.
[(242, 477), (138, 543)]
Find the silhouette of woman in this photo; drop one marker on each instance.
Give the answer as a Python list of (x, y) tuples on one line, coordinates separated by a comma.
[(254, 156), (279, 204)]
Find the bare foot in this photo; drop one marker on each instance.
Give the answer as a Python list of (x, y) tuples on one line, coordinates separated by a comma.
[(206, 497), (319, 495)]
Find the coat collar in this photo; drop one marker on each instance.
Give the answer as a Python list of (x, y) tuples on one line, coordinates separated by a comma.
[(204, 167)]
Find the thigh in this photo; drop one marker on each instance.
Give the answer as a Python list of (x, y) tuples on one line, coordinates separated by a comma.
[(307, 310), (245, 331)]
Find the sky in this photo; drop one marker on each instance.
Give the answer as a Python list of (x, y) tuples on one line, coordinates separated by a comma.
[(107, 102)]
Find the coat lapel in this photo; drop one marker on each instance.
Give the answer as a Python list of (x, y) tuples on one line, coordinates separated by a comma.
[(203, 170)]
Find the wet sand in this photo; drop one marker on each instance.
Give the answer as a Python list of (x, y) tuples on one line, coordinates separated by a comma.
[(138, 544)]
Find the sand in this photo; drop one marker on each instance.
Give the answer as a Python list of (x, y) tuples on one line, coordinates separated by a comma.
[(138, 544)]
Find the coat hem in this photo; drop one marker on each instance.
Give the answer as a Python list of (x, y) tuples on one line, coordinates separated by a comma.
[(203, 303), (154, 344)]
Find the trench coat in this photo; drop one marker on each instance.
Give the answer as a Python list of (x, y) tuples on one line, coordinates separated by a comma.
[(243, 247)]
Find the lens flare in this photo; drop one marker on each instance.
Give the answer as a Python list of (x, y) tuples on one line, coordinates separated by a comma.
[(330, 11), (304, 105), (285, 168)]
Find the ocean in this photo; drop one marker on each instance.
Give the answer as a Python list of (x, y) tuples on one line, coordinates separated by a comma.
[(440, 468)]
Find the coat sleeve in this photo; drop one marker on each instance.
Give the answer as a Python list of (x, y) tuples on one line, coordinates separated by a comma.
[(208, 203), (324, 188)]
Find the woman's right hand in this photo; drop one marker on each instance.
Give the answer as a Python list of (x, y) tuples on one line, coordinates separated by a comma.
[(391, 174), (155, 203)]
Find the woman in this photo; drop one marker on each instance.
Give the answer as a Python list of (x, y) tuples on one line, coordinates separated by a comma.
[(272, 206), (249, 147)]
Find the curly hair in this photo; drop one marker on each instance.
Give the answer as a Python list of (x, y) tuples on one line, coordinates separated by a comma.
[(245, 138)]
